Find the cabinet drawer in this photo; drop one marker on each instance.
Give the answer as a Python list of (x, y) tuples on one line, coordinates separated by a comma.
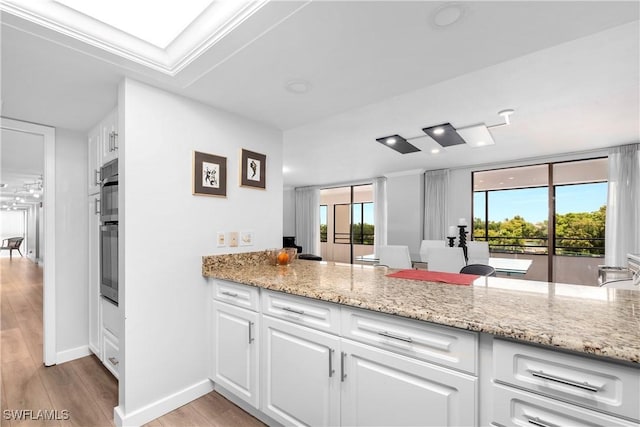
[(445, 346), (235, 294), (110, 317), (111, 356), (319, 315), (595, 384), (513, 407)]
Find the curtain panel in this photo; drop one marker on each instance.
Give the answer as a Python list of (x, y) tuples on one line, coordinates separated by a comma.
[(380, 211), (308, 219), (622, 233), (436, 205)]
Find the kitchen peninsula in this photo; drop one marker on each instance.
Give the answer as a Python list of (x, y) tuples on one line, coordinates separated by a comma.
[(504, 349)]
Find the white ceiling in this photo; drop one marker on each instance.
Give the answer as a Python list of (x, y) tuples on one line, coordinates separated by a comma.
[(21, 162), (375, 68)]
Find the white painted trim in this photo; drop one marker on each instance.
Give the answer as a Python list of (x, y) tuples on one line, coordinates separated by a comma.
[(72, 354), (163, 406), (49, 221), (405, 173)]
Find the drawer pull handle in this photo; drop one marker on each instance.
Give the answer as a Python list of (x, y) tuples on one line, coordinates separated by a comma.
[(343, 374), (251, 339), (585, 385), (540, 423), (229, 294), (293, 310), (395, 337), (113, 361), (331, 370)]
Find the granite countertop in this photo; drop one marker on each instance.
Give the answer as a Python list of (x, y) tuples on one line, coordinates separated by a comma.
[(598, 321)]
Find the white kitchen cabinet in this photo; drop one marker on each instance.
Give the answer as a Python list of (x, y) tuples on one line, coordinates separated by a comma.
[(109, 137), (300, 375), (95, 317), (111, 352), (235, 351), (381, 388), (94, 159)]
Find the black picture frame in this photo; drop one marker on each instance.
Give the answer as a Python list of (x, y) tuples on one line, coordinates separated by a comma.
[(253, 169), (209, 175)]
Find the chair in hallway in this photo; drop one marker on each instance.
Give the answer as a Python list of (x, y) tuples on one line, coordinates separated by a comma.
[(12, 244), (394, 256), (479, 269), (477, 252), (426, 244), (448, 260)]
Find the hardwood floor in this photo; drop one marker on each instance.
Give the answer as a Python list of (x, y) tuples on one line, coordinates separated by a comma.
[(77, 393)]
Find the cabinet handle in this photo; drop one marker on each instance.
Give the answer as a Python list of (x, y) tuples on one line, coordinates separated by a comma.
[(395, 337), (96, 206), (229, 294), (293, 310), (250, 335), (331, 370), (584, 385), (97, 177), (110, 141), (343, 374), (113, 361), (540, 423), (115, 140)]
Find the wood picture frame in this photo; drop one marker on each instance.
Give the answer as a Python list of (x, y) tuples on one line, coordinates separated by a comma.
[(253, 169), (209, 175)]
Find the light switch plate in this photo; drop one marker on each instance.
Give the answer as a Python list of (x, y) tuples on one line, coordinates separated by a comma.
[(233, 239), (221, 239), (246, 238)]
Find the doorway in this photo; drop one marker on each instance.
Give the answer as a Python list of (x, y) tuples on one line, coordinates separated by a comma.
[(44, 240)]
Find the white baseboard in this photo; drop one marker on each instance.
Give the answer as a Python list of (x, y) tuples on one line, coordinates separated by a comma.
[(163, 406), (72, 354)]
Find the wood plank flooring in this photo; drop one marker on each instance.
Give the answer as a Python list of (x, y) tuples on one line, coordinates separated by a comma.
[(78, 393)]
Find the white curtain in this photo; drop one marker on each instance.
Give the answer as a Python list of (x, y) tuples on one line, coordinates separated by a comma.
[(436, 205), (380, 211), (308, 219), (622, 233)]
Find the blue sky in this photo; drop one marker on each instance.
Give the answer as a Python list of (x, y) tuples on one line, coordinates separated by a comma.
[(531, 203)]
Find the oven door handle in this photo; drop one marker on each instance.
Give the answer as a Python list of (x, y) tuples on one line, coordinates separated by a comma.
[(112, 180), (109, 227)]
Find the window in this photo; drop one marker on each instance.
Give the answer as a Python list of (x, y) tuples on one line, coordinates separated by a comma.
[(363, 223), (323, 223)]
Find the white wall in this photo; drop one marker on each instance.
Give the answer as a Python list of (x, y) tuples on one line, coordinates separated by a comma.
[(71, 244), (405, 209), (167, 230)]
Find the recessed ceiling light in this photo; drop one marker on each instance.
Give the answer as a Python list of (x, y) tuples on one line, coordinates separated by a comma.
[(510, 177), (298, 86), (447, 15), (435, 151), (285, 169), (37, 196)]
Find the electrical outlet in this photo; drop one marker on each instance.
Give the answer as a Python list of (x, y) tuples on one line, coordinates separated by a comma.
[(221, 239), (246, 238), (233, 239)]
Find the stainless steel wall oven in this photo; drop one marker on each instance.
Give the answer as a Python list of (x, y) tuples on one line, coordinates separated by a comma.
[(109, 231)]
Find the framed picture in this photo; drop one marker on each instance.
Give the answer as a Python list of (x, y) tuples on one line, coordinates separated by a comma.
[(209, 175), (253, 169)]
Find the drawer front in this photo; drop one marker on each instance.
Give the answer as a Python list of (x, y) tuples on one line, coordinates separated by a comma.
[(110, 317), (513, 407), (596, 384), (111, 357), (320, 315), (235, 294), (445, 346)]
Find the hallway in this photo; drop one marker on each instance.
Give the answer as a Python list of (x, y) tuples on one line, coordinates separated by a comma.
[(78, 393)]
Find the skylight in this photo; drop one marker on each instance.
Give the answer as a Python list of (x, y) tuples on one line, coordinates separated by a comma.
[(158, 23)]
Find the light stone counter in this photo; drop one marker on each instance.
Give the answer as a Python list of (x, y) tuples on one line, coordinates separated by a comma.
[(598, 321)]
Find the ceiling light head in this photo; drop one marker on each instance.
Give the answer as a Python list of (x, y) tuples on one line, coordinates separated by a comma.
[(435, 151), (398, 143), (444, 134), (298, 86), (447, 15), (477, 135), (506, 114), (37, 196)]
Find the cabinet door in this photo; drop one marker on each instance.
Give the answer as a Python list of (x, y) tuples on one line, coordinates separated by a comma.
[(235, 351), (109, 136), (301, 384), (94, 161), (95, 318), (381, 388)]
